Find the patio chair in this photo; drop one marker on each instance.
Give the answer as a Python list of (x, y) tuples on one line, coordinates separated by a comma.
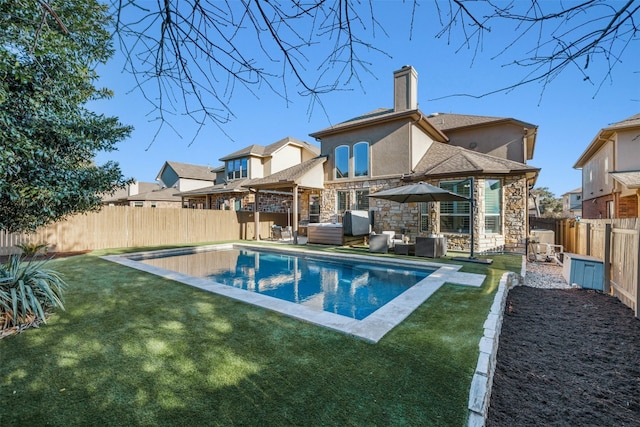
[(379, 243), (394, 238), (276, 232)]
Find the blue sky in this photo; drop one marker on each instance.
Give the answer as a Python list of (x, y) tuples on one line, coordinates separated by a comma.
[(569, 112)]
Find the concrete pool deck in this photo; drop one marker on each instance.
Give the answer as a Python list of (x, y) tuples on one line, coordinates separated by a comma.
[(371, 329)]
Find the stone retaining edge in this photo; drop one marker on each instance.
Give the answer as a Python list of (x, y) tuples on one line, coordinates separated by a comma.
[(482, 381)]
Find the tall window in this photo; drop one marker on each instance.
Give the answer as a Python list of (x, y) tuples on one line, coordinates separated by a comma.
[(236, 169), (361, 159), (492, 203), (362, 200), (343, 201), (454, 216), (342, 162)]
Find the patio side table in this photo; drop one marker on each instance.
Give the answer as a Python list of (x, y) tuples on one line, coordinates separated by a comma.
[(405, 248)]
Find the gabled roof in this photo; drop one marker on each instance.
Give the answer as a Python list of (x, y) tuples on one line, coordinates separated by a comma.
[(287, 177), (235, 186), (383, 115), (629, 122), (189, 171), (447, 121), (166, 194), (576, 191), (603, 136), (121, 194), (258, 150), (443, 160)]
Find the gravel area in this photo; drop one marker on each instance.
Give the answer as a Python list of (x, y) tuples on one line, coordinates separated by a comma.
[(545, 275)]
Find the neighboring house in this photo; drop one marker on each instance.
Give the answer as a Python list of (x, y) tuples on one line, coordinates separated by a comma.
[(572, 203), (233, 184), (159, 198), (120, 197), (175, 178), (611, 171), (484, 156)]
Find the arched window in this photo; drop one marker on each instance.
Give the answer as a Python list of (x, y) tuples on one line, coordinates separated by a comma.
[(361, 159), (342, 162)]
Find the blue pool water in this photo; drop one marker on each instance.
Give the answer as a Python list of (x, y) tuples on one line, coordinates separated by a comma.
[(350, 288)]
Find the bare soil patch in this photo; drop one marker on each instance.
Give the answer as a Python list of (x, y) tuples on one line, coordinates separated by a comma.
[(566, 357)]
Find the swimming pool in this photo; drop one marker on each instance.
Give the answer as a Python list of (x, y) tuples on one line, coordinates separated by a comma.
[(364, 296), (344, 287)]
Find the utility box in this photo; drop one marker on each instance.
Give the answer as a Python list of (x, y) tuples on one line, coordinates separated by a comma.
[(544, 236), (584, 271)]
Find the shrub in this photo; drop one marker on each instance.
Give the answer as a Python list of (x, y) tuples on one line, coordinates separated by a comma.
[(32, 249), (28, 291)]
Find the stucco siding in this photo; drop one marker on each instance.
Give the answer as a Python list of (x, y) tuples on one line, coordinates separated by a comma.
[(193, 184), (420, 143), (390, 152), (504, 141), (285, 157)]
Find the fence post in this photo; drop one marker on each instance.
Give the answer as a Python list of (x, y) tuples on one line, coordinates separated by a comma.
[(607, 258), (588, 240)]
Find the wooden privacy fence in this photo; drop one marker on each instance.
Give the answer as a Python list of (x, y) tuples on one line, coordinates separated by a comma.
[(617, 243), (124, 226)]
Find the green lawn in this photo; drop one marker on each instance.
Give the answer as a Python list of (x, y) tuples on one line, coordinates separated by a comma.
[(135, 349)]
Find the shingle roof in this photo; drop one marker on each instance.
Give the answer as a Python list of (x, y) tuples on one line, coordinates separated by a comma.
[(235, 186), (443, 159), (447, 121), (122, 193), (289, 175), (166, 194), (262, 151), (628, 179), (382, 115), (189, 171), (632, 121)]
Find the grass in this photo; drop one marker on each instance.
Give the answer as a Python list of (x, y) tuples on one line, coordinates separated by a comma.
[(135, 349)]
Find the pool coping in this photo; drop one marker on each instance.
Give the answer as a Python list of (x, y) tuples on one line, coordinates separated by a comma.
[(372, 328)]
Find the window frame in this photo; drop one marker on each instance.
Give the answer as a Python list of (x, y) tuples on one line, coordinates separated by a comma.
[(487, 204), (360, 149), (346, 194), (338, 160), (457, 214), (237, 168), (362, 199)]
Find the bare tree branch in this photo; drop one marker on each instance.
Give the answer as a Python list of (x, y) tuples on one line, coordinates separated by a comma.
[(191, 56)]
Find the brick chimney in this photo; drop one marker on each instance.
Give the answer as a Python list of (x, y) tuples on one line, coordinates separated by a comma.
[(405, 89)]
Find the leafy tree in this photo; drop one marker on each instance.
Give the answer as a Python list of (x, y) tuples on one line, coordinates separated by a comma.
[(48, 138), (192, 55), (548, 204)]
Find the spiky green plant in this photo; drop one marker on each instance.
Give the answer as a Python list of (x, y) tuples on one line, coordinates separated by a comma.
[(28, 291), (31, 249)]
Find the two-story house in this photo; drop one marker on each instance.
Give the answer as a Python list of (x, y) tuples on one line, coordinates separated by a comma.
[(470, 155), (233, 189), (572, 203), (121, 196), (611, 171)]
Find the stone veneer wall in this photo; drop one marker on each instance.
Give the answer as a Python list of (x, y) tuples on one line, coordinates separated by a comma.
[(396, 216)]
